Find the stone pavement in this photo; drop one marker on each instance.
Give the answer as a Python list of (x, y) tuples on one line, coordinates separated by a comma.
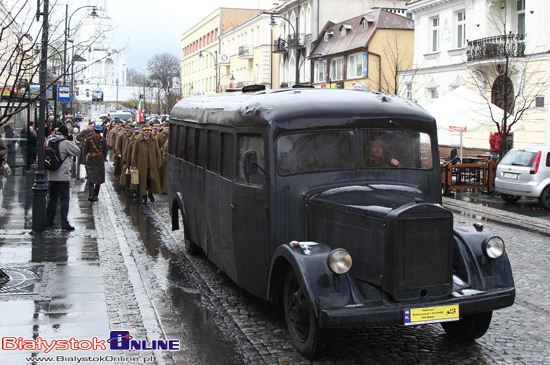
[(86, 283), (57, 289)]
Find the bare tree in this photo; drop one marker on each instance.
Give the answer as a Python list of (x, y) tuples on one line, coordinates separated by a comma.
[(397, 57), (20, 42), (500, 68), (165, 74)]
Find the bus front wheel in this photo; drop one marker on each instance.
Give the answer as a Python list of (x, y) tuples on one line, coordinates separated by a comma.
[(302, 324)]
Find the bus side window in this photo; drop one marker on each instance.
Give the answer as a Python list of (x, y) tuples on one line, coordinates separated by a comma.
[(213, 149), (227, 149), (181, 140), (173, 137), (201, 147), (190, 143), (248, 142)]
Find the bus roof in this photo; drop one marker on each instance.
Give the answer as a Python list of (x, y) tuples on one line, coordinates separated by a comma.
[(283, 106)]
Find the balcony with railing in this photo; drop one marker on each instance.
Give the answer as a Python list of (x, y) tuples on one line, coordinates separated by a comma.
[(500, 46), (282, 45), (246, 52)]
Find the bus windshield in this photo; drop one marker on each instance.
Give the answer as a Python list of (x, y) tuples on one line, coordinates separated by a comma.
[(317, 151)]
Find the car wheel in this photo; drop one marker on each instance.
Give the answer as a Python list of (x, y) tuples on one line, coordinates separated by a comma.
[(544, 198), (302, 324), (510, 198), (469, 327)]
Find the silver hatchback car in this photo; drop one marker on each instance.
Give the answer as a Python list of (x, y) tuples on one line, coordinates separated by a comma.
[(525, 172)]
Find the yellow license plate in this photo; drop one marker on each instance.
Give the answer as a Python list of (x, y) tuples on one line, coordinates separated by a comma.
[(443, 313)]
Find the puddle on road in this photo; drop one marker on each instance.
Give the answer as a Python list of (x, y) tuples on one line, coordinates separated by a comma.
[(187, 313)]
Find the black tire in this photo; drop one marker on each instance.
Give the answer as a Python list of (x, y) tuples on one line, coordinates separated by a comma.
[(469, 328), (544, 198), (302, 324), (510, 198)]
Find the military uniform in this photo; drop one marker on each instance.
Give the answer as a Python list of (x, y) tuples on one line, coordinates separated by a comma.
[(95, 154), (146, 159), (162, 139)]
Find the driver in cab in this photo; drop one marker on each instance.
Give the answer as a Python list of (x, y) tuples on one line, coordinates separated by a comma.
[(376, 157)]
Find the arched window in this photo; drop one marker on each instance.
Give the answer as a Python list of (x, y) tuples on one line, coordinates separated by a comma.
[(502, 93)]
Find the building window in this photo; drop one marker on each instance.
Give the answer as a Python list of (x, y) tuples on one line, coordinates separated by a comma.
[(460, 29), (336, 69), (434, 93), (435, 34), (355, 65), (320, 71), (409, 91), (521, 16), (343, 32), (325, 37), (365, 24)]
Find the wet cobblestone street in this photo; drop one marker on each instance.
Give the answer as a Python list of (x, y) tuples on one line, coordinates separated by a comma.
[(124, 269)]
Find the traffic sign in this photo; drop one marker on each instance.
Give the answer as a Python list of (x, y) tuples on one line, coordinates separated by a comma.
[(63, 93)]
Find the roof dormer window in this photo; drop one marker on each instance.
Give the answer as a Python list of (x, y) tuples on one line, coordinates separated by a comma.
[(365, 24), (327, 34), (344, 29)]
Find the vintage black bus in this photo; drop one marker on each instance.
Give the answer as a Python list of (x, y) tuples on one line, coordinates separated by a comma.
[(330, 201)]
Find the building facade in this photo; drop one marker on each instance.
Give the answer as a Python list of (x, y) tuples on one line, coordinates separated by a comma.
[(301, 22), (365, 51), (201, 59), (246, 57), (99, 80), (496, 49)]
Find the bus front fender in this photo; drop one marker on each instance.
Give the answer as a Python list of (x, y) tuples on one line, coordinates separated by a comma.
[(178, 206), (323, 288)]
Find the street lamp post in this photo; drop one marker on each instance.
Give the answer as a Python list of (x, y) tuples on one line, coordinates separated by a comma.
[(215, 64), (222, 76), (273, 24), (67, 31), (40, 188)]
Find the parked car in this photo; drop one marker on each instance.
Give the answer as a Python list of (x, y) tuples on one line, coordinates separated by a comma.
[(525, 172)]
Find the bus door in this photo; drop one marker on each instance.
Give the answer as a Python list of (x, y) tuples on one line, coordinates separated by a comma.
[(250, 220), (225, 203)]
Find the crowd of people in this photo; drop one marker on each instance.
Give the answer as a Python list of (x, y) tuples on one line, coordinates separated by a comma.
[(139, 150), (124, 147)]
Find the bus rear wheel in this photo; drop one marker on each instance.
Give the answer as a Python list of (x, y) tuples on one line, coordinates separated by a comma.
[(301, 321)]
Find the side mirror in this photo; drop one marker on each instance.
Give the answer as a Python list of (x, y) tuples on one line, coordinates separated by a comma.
[(454, 156), (250, 163)]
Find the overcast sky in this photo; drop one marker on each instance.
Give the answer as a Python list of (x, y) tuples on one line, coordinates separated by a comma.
[(156, 26), (147, 27)]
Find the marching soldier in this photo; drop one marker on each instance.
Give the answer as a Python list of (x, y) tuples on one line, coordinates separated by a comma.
[(162, 141), (119, 144), (95, 154), (146, 159)]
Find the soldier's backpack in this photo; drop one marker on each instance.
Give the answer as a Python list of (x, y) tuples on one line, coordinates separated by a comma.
[(52, 156)]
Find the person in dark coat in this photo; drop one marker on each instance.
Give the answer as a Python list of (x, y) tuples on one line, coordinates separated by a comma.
[(9, 132), (95, 155)]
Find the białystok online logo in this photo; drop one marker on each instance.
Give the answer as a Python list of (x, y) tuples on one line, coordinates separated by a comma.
[(121, 340), (118, 340)]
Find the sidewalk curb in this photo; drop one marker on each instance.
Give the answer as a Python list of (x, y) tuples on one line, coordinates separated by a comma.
[(512, 219)]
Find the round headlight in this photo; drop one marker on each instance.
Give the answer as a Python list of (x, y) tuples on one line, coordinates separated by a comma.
[(339, 261), (493, 247)]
